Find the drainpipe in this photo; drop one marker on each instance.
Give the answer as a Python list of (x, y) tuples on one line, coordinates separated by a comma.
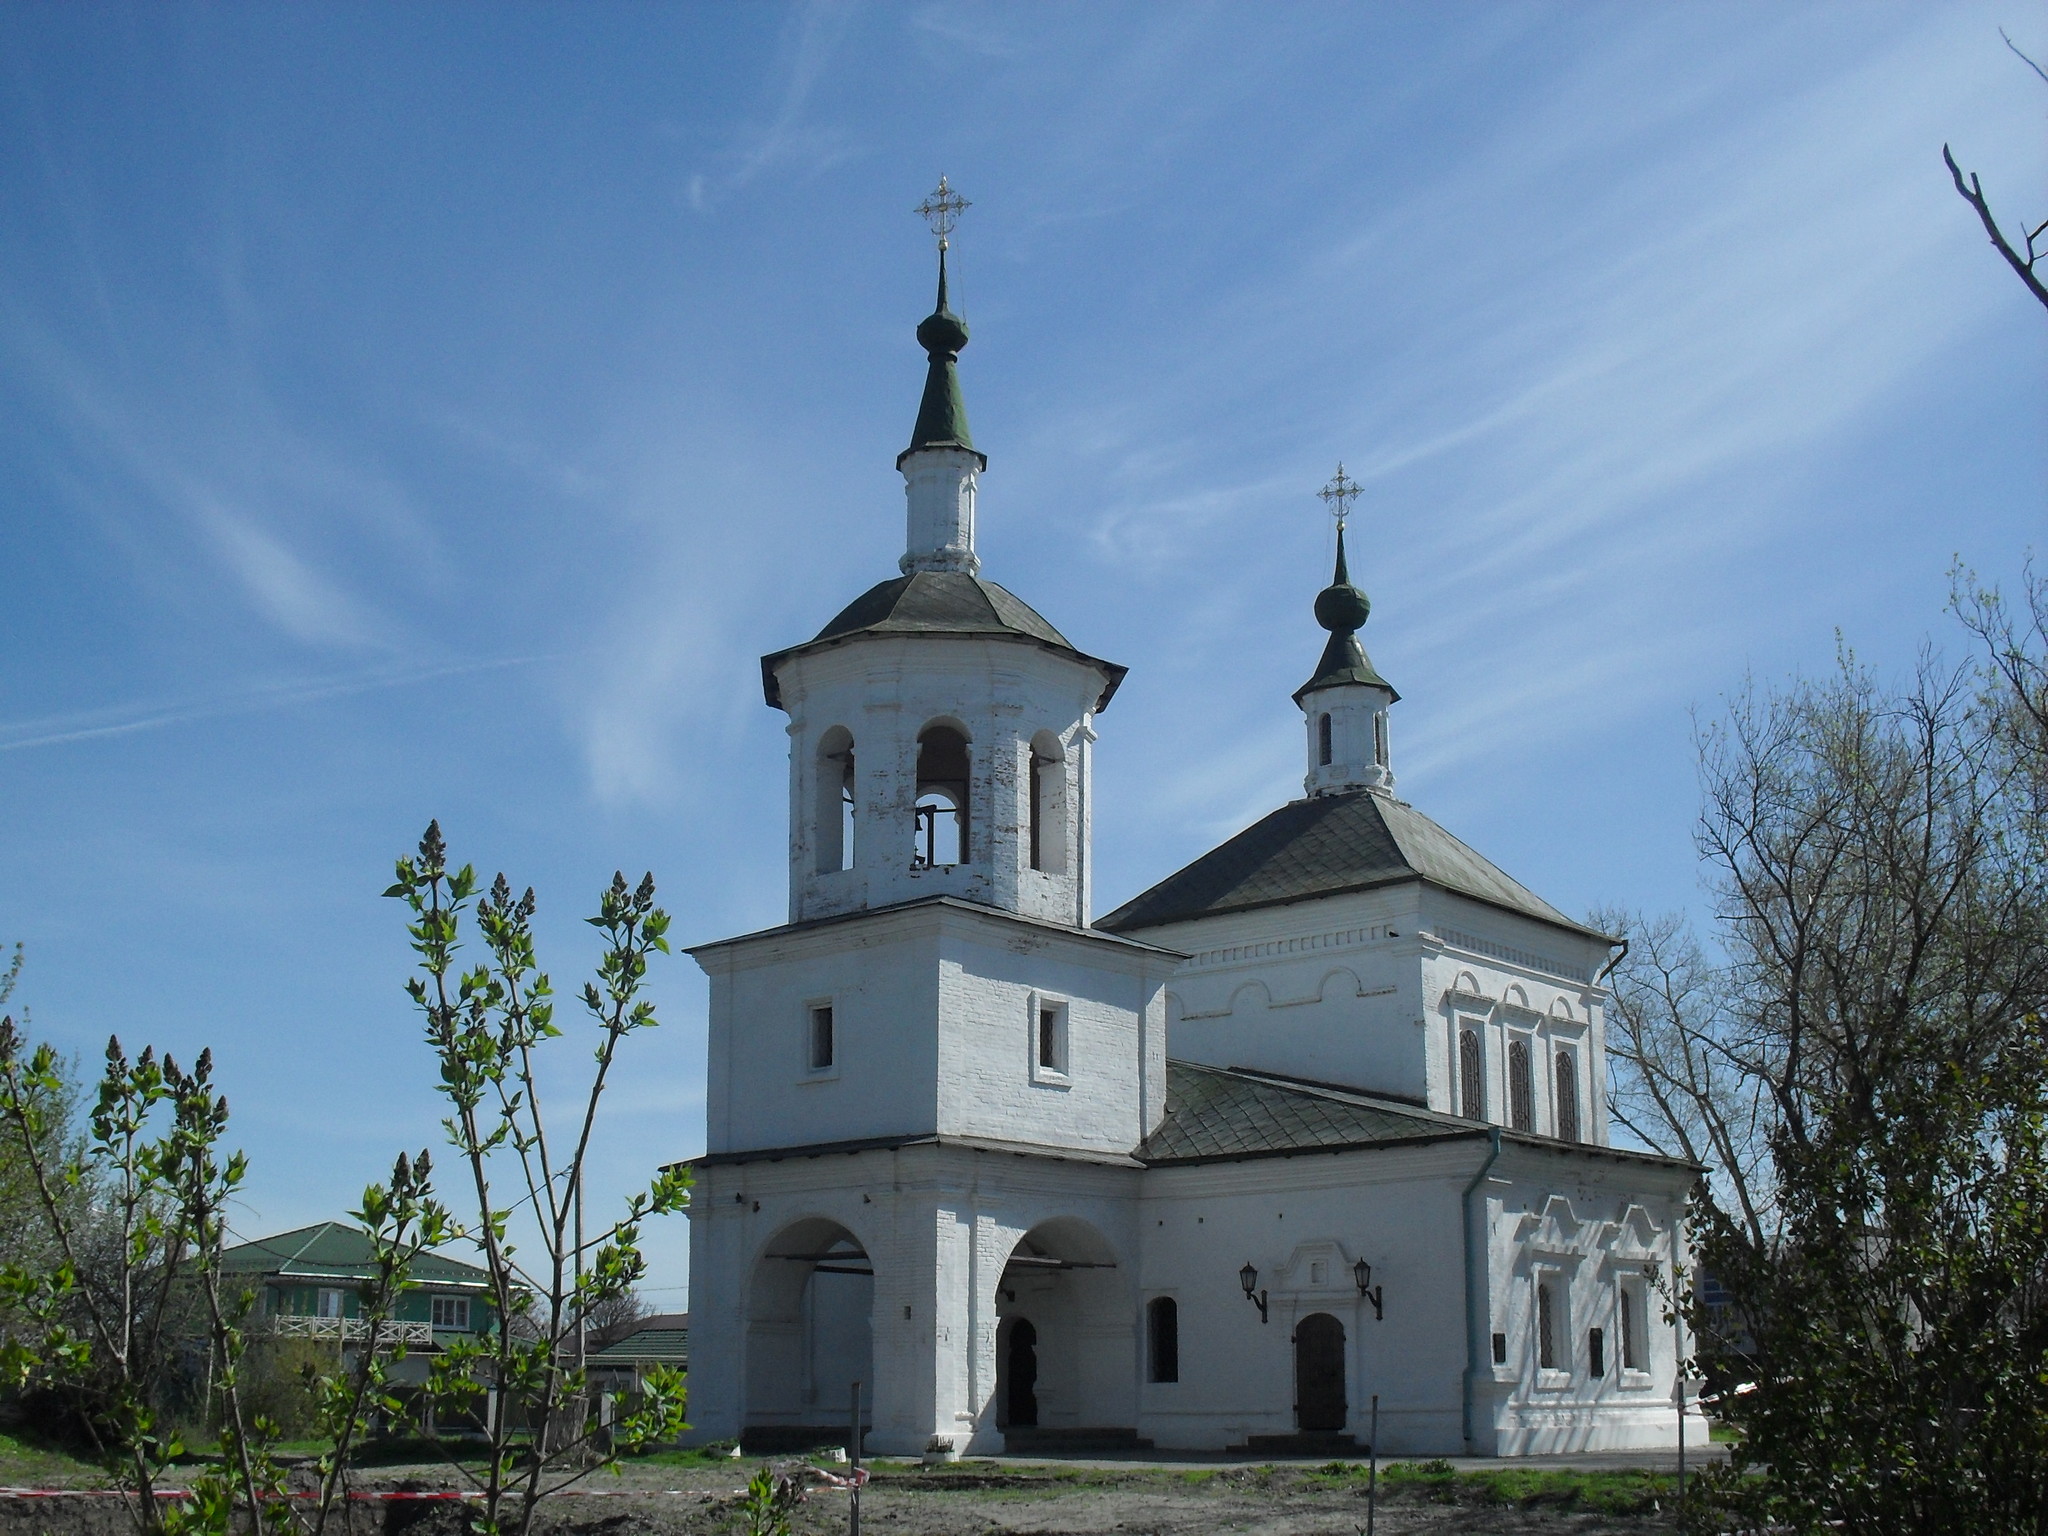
[(1475, 1290)]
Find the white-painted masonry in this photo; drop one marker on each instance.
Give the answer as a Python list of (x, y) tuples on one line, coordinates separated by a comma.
[(949, 1158)]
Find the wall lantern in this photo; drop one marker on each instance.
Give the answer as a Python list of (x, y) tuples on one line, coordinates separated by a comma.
[(1248, 1277), (1362, 1273)]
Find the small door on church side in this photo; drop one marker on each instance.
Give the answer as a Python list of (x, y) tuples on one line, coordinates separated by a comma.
[(1319, 1373), (1020, 1375)]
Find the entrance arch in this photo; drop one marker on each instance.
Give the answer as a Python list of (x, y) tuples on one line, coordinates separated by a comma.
[(809, 1336), (1319, 1399), (1066, 1337)]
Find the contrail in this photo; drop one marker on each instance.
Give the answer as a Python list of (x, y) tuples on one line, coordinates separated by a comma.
[(275, 696)]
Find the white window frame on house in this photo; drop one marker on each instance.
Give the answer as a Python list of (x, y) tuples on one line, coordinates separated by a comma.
[(456, 1309), (807, 1045), (328, 1302), (1049, 1024)]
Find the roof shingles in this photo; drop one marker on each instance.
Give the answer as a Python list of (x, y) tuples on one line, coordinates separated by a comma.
[(1324, 846)]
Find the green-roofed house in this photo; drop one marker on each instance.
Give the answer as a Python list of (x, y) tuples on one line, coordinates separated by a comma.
[(662, 1339), (309, 1285)]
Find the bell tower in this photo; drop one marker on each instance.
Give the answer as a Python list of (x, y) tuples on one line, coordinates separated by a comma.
[(941, 732)]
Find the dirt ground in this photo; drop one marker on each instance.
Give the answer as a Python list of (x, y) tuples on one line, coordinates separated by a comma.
[(988, 1499)]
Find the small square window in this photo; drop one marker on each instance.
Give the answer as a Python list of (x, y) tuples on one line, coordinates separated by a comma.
[(822, 1047), (451, 1311)]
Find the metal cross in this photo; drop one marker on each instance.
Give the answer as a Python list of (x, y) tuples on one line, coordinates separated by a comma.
[(942, 211), (1338, 496)]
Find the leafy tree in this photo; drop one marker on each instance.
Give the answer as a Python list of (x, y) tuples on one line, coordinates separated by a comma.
[(1866, 1066), (487, 1025)]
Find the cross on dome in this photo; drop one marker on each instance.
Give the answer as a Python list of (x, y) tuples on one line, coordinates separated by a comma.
[(1339, 494), (942, 210)]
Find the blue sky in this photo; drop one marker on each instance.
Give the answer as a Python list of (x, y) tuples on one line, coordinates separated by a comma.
[(435, 411)]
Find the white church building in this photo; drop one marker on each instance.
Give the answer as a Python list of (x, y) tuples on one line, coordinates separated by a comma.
[(1317, 1119)]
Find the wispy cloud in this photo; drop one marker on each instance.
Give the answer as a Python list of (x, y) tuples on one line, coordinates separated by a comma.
[(131, 719), (788, 138)]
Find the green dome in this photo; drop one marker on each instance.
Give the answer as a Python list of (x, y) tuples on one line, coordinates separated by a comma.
[(1342, 607), (942, 331)]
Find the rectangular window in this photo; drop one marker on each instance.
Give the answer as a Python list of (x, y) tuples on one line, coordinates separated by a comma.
[(1596, 1352), (1471, 1095), (1631, 1331), (821, 1055), (1052, 1037), (1546, 1327), (1567, 1097), (330, 1303), (1500, 1349), (1379, 738), (1521, 1100), (451, 1311)]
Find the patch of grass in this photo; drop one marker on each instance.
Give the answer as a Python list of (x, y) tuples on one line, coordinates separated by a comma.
[(27, 1463), (1724, 1434), (1627, 1492)]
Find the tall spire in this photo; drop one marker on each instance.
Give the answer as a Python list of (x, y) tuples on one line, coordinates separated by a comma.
[(942, 413), (941, 463), (1342, 609), (1345, 704)]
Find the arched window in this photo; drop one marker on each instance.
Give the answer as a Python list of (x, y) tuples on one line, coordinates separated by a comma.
[(1471, 1096), (1567, 1098), (1162, 1339), (1323, 751), (1521, 1100), (832, 817), (941, 826), (1048, 803)]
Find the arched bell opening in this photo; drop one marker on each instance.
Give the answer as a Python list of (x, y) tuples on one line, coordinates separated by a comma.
[(832, 815), (1065, 1335), (941, 830), (1047, 822), (810, 1336)]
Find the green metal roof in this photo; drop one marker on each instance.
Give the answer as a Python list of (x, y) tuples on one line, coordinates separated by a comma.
[(1215, 1114), (335, 1251), (1325, 846), (940, 603), (942, 413), (663, 1340), (1342, 609)]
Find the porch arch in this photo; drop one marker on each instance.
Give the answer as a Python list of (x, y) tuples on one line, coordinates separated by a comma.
[(1066, 1318), (810, 1335)]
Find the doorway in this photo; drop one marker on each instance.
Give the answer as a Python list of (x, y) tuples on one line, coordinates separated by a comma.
[(1319, 1373), (1020, 1375)]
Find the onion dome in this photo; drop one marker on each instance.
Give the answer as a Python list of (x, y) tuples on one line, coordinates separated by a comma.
[(1342, 609), (942, 413)]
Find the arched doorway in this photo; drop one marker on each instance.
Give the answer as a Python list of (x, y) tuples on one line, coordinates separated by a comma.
[(809, 1337), (1066, 1342), (1020, 1374), (1319, 1403)]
